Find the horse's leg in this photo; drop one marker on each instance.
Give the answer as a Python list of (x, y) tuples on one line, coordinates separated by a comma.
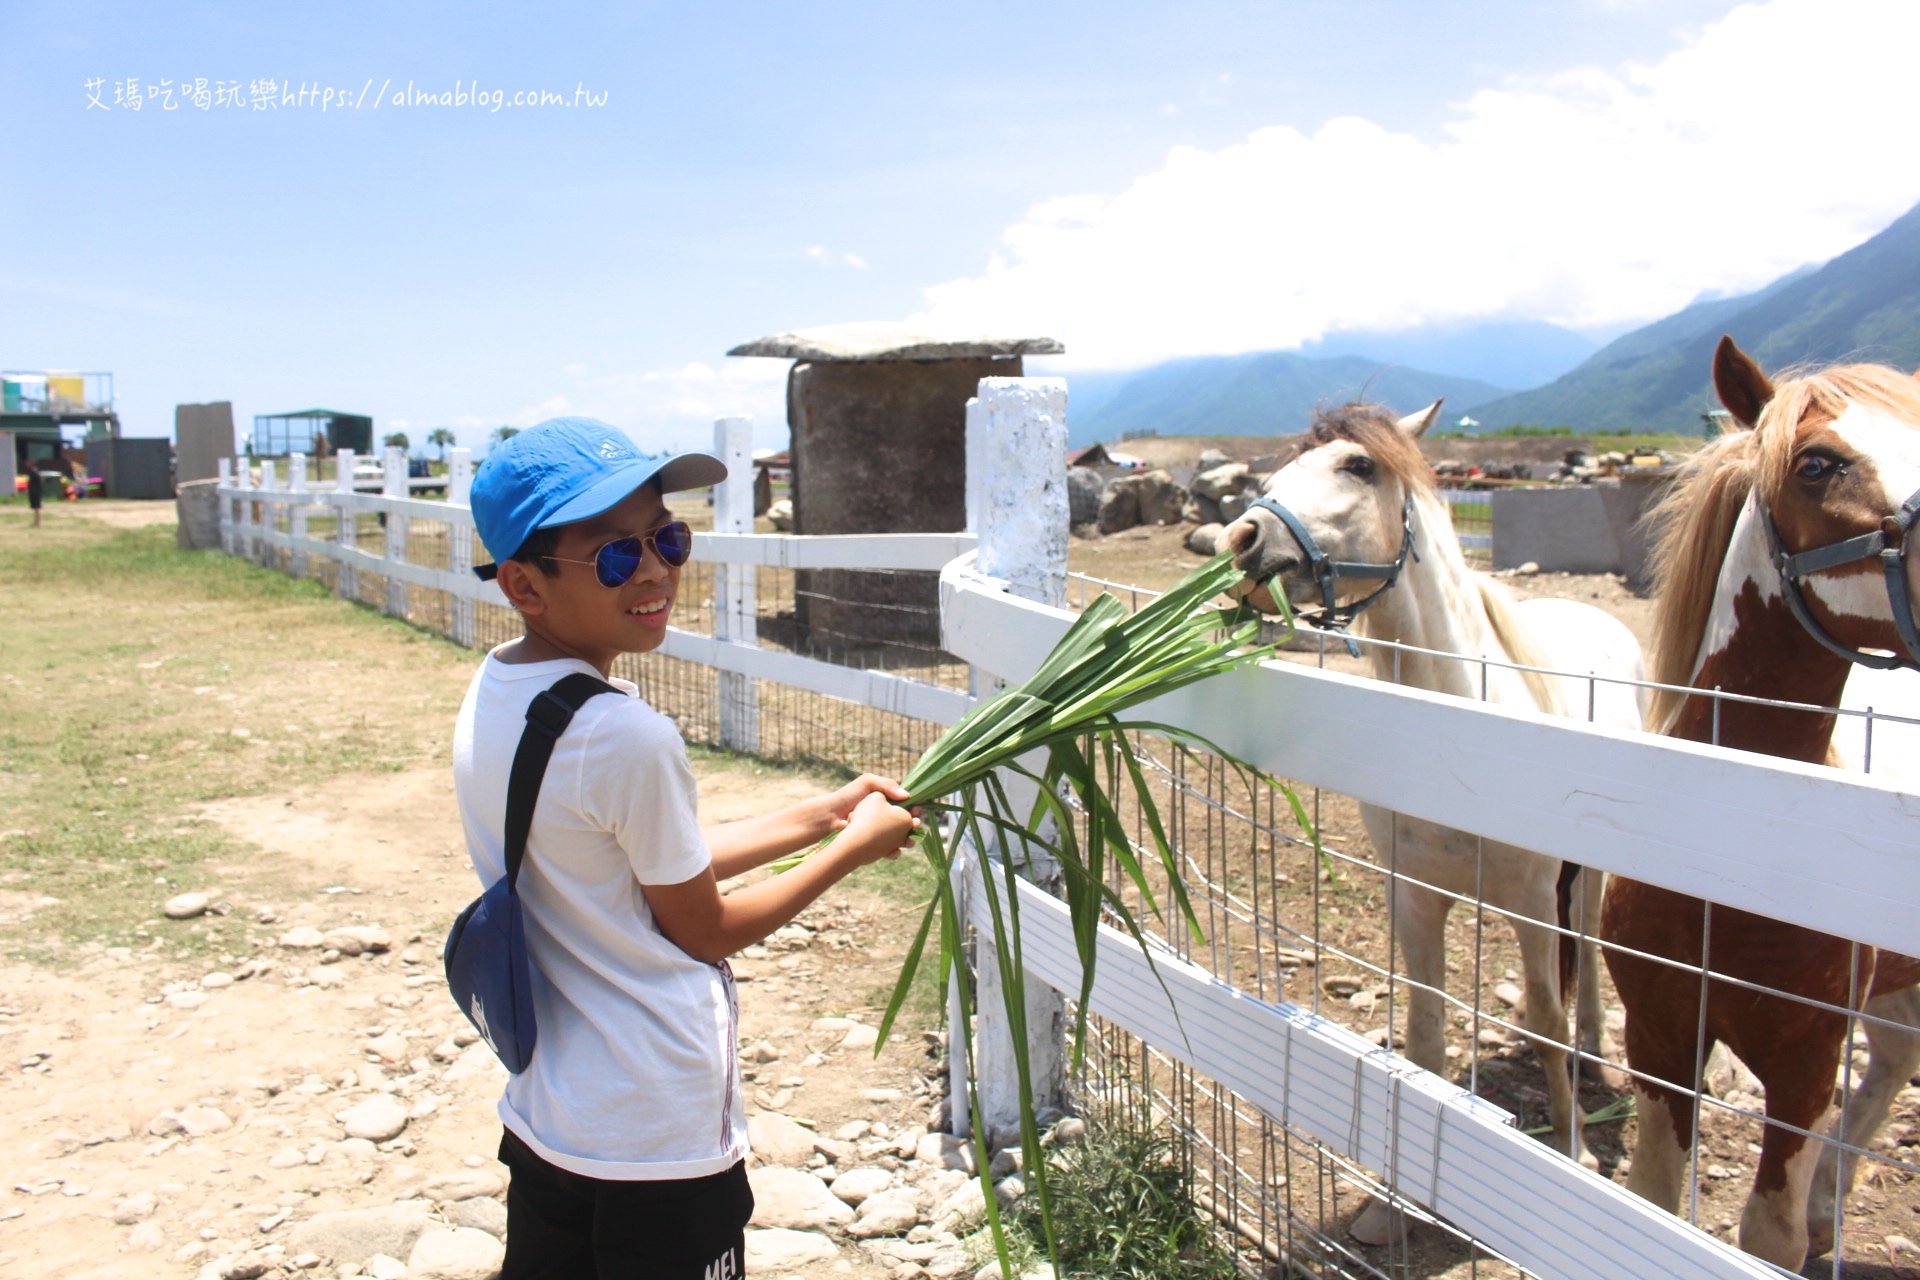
[(1545, 1019), (1594, 1040), (1664, 1116), (1663, 1014), (1895, 1054), (1420, 923)]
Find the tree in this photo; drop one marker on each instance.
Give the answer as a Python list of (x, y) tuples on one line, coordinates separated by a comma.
[(396, 440), (503, 434), (441, 438)]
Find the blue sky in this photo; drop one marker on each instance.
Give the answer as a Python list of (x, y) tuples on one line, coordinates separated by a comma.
[(760, 168)]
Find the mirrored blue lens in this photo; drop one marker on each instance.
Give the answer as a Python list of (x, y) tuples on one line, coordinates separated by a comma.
[(618, 561), (675, 542)]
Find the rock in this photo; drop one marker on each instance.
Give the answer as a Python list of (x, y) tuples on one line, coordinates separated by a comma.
[(327, 976), (882, 1095), (463, 1184), (1007, 1190), (201, 1121), (1205, 540), (384, 1267), (1160, 499), (287, 1158), (377, 1119), (961, 1209), (781, 513), (477, 1061), (1119, 507), (944, 1151), (857, 1185), (1084, 487), (949, 1263), (356, 938), (391, 1047), (1528, 569), (146, 1237), (1005, 1162), (460, 1253), (853, 1130), (163, 1124), (305, 937), (887, 1213), (482, 1213), (1217, 482), (135, 1207), (1235, 505), (215, 981), (187, 999), (761, 1053), (861, 1036), (778, 1140), (356, 1235), (247, 1266), (1209, 459), (785, 1197), (783, 1249), (186, 906), (1508, 994), (1069, 1131), (1200, 510)]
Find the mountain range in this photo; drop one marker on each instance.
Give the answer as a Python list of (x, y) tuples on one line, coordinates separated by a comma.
[(1862, 305)]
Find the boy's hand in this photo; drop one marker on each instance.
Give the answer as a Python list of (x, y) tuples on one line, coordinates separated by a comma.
[(837, 807), (877, 828)]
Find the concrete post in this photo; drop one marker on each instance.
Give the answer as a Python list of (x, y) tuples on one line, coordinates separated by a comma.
[(735, 598), (346, 583), (225, 476), (1017, 505), (297, 513), (267, 515), (394, 485), (460, 540), (245, 543)]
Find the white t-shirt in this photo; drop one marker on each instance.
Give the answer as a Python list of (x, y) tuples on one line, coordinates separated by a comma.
[(635, 1074)]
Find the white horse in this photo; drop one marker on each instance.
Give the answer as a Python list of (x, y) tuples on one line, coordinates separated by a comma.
[(1363, 493)]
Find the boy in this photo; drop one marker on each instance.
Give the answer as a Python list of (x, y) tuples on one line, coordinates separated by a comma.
[(625, 1135)]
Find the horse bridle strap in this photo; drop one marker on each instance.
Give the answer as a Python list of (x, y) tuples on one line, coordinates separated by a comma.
[(1889, 543), (1332, 615)]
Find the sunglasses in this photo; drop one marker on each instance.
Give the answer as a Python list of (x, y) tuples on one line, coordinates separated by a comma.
[(616, 562)]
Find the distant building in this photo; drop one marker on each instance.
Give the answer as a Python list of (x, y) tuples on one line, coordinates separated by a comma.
[(317, 432), (46, 412)]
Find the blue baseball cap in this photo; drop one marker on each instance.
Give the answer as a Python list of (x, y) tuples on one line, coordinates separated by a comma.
[(569, 469)]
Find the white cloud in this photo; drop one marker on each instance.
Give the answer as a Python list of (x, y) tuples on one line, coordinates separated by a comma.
[(675, 408), (829, 258), (1777, 136)]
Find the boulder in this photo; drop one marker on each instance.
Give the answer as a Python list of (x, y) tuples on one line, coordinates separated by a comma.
[(1200, 510), (784, 1249), (1235, 505), (778, 1140), (303, 937), (962, 1209), (482, 1213), (377, 1119), (1158, 499), (785, 1197), (944, 1151), (1084, 487), (889, 1213), (356, 938), (355, 1235), (197, 508), (1205, 541), (1218, 482), (463, 1184), (459, 1253), (857, 1185), (1209, 459), (1119, 507), (186, 906)]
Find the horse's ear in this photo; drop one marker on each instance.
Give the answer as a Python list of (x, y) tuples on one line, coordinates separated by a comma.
[(1416, 424), (1740, 383)]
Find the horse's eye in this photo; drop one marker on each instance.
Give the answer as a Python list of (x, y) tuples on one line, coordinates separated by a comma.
[(1816, 466), (1360, 465)]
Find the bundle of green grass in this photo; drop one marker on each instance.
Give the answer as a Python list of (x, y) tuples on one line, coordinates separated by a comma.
[(1067, 731)]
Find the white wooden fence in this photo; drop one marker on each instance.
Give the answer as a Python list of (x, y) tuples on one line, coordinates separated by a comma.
[(1833, 852)]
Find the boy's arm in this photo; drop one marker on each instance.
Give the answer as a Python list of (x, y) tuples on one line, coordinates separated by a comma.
[(709, 927), (739, 847)]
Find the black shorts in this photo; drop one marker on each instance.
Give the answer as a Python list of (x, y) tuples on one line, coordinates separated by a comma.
[(566, 1226)]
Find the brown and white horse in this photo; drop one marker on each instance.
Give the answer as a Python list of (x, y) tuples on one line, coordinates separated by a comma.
[(1354, 523), (1821, 459)]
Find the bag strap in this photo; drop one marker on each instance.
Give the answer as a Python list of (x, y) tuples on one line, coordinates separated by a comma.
[(548, 716)]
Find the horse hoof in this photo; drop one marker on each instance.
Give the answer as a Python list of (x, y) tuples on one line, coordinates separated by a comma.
[(1604, 1074), (1376, 1223), (1819, 1239)]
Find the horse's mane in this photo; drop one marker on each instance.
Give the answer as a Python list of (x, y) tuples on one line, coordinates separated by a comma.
[(1376, 429), (1694, 523)]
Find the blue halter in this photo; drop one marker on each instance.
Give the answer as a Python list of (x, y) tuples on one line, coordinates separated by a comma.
[(1889, 543), (1331, 615)]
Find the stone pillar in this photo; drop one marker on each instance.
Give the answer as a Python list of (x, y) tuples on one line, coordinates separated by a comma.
[(879, 446), (1017, 441), (735, 598), (394, 485), (460, 541)]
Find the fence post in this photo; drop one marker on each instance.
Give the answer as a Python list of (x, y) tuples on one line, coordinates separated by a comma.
[(460, 540), (735, 598), (346, 583), (268, 516), (394, 485), (297, 514), (226, 505), (1017, 506), (246, 540)]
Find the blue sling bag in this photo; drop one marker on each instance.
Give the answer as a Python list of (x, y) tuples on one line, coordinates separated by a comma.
[(488, 971)]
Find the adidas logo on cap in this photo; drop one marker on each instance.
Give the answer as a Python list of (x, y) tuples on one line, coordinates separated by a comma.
[(613, 450)]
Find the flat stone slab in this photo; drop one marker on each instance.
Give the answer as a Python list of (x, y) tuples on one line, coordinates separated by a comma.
[(877, 340)]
